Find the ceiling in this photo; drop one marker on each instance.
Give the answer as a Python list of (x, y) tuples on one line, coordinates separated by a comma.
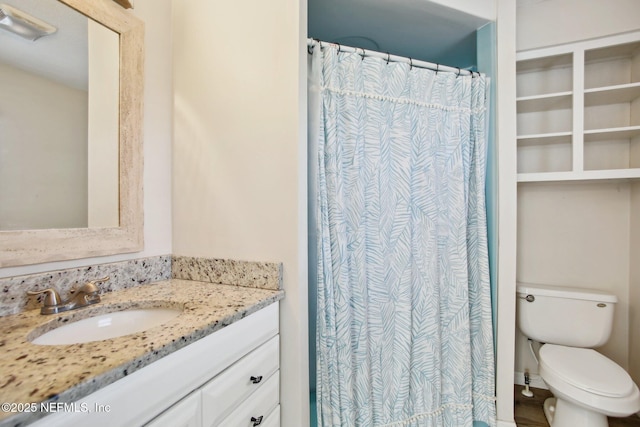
[(419, 29), (62, 56)]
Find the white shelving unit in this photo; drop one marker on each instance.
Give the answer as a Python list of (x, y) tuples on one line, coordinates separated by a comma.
[(579, 111)]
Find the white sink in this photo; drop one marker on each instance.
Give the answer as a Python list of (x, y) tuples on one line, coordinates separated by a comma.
[(105, 326)]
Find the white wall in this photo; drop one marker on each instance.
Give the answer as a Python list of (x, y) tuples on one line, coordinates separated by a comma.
[(546, 23), (506, 134), (157, 142), (634, 256), (43, 168), (634, 264), (239, 179), (634, 285)]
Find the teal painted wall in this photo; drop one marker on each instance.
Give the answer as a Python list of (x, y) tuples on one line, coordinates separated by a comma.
[(487, 60), (487, 64)]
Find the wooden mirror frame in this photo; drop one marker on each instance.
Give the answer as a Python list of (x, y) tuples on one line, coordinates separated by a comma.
[(37, 246)]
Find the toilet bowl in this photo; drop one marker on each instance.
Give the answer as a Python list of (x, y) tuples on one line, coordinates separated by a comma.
[(587, 387)]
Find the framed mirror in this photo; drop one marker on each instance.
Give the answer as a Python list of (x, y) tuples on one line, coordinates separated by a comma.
[(44, 225)]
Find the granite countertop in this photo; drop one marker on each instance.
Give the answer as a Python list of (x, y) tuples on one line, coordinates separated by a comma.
[(65, 373)]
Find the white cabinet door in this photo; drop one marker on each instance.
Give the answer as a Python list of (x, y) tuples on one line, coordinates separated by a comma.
[(186, 413)]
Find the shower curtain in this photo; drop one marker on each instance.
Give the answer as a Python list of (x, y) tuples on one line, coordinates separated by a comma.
[(397, 161)]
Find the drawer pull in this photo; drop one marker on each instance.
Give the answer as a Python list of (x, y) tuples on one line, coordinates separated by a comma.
[(256, 380), (257, 421)]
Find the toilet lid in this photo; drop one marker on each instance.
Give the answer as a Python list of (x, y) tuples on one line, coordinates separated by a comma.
[(586, 369)]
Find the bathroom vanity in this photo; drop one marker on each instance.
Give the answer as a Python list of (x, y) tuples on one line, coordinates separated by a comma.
[(216, 363)]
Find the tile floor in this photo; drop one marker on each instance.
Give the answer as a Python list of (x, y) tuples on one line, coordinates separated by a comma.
[(529, 413)]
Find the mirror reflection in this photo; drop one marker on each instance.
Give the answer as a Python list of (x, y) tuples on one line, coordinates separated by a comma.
[(58, 120)]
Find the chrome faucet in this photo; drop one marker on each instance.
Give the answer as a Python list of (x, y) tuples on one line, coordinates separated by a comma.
[(88, 294)]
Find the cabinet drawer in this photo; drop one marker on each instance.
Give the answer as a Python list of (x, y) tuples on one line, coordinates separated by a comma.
[(257, 406), (273, 420), (222, 394), (186, 413)]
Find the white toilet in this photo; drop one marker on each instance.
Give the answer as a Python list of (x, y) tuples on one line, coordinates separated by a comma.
[(587, 386)]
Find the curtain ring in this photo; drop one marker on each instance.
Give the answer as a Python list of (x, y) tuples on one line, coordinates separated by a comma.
[(410, 64), (339, 48), (310, 49), (458, 75), (437, 68), (363, 53), (388, 58)]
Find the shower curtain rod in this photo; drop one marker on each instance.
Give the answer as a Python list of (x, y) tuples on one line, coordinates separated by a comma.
[(393, 58)]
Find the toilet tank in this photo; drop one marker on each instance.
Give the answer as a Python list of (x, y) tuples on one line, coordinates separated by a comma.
[(566, 316)]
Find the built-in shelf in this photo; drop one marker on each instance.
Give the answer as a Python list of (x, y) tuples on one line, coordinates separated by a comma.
[(578, 110), (627, 132), (541, 77), (613, 64), (613, 51), (551, 101), (541, 63), (595, 175), (545, 139), (611, 94)]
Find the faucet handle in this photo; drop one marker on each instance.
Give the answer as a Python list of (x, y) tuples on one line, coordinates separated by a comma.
[(90, 287), (51, 298)]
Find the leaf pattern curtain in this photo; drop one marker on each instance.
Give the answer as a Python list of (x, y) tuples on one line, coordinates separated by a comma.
[(404, 332)]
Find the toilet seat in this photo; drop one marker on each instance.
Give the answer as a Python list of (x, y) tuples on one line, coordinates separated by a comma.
[(588, 379), (586, 369)]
